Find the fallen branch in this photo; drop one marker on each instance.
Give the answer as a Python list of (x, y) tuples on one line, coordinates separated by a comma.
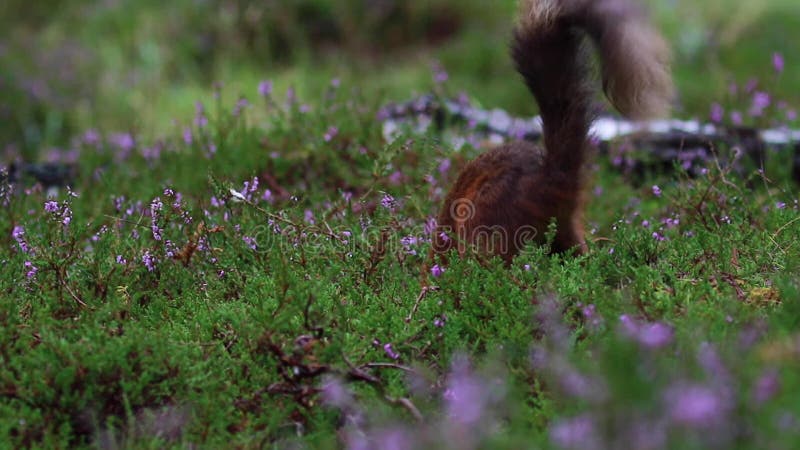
[(690, 143)]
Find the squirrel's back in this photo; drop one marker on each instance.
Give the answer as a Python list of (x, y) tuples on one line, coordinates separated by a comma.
[(513, 191)]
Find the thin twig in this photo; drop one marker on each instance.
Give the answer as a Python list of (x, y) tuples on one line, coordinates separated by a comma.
[(422, 294), (358, 374), (73, 295), (785, 226), (389, 366), (408, 405)]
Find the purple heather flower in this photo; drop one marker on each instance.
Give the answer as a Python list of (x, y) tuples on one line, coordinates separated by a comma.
[(646, 223), (390, 351), (91, 137), (121, 260), (396, 178), (308, 216), (576, 384), (695, 406), (440, 75), (149, 261), (712, 364), (777, 62), (751, 85), (408, 241), (155, 206), (31, 270), (330, 134), (170, 249), (437, 271), (249, 187), (717, 113), (470, 399), (336, 394), (62, 212), (466, 397), (200, 119), (18, 233), (430, 226), (123, 141), (656, 190), (659, 237), (761, 100), (780, 205), (251, 242), (51, 206), (187, 136), (767, 387), (444, 166), (736, 117), (649, 335), (66, 216), (394, 438), (655, 335), (388, 202), (592, 318), (575, 433), (240, 106), (671, 222), (439, 322), (265, 88), (153, 152)]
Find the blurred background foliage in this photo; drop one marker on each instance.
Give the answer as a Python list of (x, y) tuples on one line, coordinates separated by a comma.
[(140, 65)]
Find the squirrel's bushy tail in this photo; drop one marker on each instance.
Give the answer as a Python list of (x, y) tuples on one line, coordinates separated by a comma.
[(550, 52)]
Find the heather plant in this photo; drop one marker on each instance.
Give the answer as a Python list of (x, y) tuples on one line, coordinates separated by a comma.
[(267, 284)]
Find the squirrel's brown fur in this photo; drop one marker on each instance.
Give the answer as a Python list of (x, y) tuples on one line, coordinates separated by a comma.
[(511, 193)]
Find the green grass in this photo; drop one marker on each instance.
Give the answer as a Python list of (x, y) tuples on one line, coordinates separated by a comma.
[(222, 345)]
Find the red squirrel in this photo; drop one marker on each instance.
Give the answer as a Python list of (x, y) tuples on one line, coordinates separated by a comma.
[(510, 194)]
